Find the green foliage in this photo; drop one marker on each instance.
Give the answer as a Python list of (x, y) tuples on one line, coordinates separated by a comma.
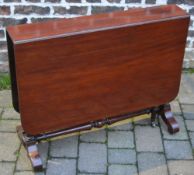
[(190, 71), (5, 82)]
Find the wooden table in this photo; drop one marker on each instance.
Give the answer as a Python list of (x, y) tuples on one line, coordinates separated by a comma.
[(75, 74)]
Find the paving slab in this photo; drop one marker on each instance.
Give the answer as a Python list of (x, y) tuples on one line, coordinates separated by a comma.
[(43, 150), (9, 146), (188, 111), (120, 139), (123, 127), (152, 164), (175, 107), (23, 163), (9, 125), (148, 139), (181, 167), (61, 167), (10, 113), (143, 122), (191, 136), (96, 136), (6, 168), (122, 170), (178, 150), (5, 98), (92, 158), (190, 125), (66, 147), (121, 156), (181, 135)]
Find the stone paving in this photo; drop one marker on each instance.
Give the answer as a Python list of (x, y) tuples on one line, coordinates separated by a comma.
[(130, 149)]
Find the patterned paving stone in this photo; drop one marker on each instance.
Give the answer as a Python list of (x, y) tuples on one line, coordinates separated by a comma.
[(190, 125), (175, 107), (9, 125), (23, 162), (178, 150), (181, 135), (43, 150), (148, 139), (121, 156), (123, 127), (96, 136), (191, 135), (61, 167), (120, 139), (152, 164), (6, 168), (92, 158), (122, 170), (10, 113), (66, 147), (181, 167), (188, 111), (8, 146), (5, 98)]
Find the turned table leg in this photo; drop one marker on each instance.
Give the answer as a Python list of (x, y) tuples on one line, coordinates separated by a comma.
[(168, 118), (32, 150)]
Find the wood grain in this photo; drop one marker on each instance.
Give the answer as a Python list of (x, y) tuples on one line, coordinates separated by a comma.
[(99, 66)]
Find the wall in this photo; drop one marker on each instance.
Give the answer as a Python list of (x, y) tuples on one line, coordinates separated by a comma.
[(14, 12)]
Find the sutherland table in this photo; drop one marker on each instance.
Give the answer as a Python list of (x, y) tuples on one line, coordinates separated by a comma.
[(74, 74)]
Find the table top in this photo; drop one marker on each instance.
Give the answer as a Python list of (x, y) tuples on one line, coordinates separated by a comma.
[(73, 26)]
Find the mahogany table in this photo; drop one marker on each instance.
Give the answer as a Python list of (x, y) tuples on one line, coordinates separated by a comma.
[(75, 74)]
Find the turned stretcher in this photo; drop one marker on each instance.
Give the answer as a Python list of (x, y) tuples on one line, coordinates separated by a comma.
[(74, 74)]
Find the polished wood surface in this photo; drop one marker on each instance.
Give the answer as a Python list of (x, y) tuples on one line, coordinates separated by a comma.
[(97, 67)]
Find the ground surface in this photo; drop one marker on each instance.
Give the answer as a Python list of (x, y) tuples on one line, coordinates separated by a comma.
[(129, 149)]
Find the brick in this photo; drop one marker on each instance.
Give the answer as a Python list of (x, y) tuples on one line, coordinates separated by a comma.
[(120, 139), (61, 166), (191, 11), (92, 158), (121, 156), (4, 10), (9, 146), (152, 164), (74, 1), (12, 0), (122, 170), (33, 1), (178, 150), (132, 1), (150, 1), (114, 1), (148, 139), (96, 136), (66, 147), (103, 9), (188, 111), (10, 113), (12, 21), (181, 135), (31, 9), (181, 167), (9, 125), (190, 125), (35, 20), (93, 1), (2, 33), (78, 10), (175, 2), (124, 127), (53, 1), (6, 168)]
